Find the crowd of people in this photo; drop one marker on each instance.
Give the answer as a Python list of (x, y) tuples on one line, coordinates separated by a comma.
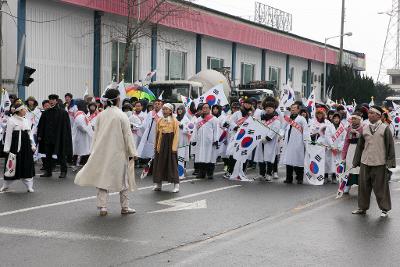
[(108, 135)]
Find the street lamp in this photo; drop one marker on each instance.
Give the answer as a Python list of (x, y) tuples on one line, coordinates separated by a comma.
[(326, 40)]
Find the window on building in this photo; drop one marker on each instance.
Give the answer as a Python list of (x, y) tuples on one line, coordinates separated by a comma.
[(304, 83), (175, 65), (291, 75), (214, 63), (275, 76), (117, 61), (247, 73)]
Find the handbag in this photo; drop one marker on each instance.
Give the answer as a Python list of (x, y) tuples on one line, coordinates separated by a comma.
[(12, 160)]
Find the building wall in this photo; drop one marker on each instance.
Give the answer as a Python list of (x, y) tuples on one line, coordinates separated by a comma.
[(212, 47), (299, 65), (109, 33), (250, 55), (179, 41), (318, 69), (60, 51), (276, 60), (9, 54)]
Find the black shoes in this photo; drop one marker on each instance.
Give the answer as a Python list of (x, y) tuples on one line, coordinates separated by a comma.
[(46, 174), (62, 175), (288, 182)]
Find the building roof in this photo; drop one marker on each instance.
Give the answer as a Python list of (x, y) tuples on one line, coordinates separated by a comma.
[(209, 22)]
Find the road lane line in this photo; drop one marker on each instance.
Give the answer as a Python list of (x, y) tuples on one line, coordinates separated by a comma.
[(59, 235), (73, 201)]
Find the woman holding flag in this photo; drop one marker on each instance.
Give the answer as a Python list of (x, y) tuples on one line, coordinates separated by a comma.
[(165, 166), (267, 152), (353, 133)]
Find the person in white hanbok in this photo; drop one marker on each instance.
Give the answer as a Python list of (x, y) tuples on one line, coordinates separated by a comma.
[(205, 138), (337, 142), (321, 131), (236, 120), (33, 115), (92, 114), (297, 135), (222, 133), (267, 152), (82, 132), (146, 146), (111, 164), (138, 112), (134, 121), (184, 134)]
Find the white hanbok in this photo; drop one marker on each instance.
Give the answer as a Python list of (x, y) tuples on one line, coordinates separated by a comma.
[(136, 126), (295, 144), (267, 151), (184, 138), (82, 134), (146, 146), (204, 137)]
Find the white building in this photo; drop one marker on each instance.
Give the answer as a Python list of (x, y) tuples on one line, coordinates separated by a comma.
[(74, 42)]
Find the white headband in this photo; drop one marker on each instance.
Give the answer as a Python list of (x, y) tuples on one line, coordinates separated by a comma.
[(356, 116), (376, 111), (169, 106), (20, 108)]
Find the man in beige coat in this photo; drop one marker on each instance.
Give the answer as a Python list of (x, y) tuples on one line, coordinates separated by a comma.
[(375, 154), (111, 164)]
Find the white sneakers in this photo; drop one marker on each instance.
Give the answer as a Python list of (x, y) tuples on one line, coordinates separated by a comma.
[(157, 187), (268, 178), (3, 188), (384, 214), (275, 176), (176, 188), (127, 211)]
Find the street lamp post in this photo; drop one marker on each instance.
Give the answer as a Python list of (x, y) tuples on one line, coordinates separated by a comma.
[(326, 40)]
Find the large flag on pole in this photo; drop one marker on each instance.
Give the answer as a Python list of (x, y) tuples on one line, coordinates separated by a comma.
[(121, 89), (214, 96), (311, 104), (287, 97)]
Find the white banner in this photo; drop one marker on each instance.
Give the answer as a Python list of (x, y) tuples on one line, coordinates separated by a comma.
[(247, 138), (314, 165)]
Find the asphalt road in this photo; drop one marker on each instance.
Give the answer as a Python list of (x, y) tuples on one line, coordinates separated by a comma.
[(208, 223)]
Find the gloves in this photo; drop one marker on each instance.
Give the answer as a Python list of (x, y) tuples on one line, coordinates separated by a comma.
[(216, 144), (225, 125), (194, 143)]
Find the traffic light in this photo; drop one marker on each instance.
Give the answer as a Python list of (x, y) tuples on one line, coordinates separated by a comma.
[(26, 79)]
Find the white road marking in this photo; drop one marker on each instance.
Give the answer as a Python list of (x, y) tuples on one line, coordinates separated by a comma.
[(178, 205), (59, 235), (73, 201)]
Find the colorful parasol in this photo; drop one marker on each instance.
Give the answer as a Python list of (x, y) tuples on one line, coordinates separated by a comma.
[(139, 92)]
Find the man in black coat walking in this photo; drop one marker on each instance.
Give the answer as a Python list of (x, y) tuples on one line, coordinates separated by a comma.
[(54, 136)]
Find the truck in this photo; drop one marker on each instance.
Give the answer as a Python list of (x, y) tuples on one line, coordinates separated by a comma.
[(193, 87), (256, 89)]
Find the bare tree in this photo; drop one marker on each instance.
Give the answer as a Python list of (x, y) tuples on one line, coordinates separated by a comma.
[(142, 15)]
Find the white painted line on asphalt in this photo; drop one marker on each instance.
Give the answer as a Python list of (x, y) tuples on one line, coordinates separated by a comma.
[(73, 201), (177, 205), (59, 235)]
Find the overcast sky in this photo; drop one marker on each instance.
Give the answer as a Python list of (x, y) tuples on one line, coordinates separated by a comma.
[(318, 19)]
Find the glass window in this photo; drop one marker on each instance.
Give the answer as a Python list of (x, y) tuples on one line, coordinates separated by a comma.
[(117, 61), (291, 75), (247, 73), (275, 76), (175, 63), (304, 77), (214, 63), (171, 92)]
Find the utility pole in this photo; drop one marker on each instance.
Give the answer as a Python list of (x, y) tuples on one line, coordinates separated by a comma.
[(1, 43), (342, 33)]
